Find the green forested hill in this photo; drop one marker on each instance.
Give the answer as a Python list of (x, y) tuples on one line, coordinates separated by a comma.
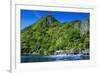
[(48, 35)]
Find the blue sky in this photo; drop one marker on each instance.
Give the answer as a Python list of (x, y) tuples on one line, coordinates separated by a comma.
[(29, 17)]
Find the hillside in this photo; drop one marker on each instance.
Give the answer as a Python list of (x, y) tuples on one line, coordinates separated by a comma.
[(48, 35)]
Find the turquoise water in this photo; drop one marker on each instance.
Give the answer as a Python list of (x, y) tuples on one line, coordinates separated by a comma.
[(31, 58)]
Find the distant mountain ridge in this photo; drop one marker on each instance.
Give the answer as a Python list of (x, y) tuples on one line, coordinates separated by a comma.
[(49, 19)]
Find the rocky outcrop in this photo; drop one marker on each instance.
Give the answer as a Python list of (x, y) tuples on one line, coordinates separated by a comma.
[(48, 20), (85, 25)]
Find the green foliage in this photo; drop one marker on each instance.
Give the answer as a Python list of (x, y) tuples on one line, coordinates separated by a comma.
[(44, 37)]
